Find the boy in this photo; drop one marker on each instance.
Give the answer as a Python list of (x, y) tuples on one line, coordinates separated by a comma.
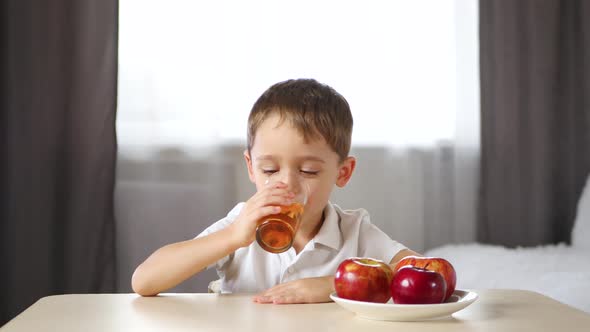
[(298, 131)]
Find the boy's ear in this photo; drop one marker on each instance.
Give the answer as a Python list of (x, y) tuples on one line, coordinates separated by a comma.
[(248, 160), (345, 171)]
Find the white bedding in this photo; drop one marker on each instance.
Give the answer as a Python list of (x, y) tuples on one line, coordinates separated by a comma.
[(558, 271)]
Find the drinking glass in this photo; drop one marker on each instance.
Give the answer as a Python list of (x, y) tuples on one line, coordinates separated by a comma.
[(275, 232)]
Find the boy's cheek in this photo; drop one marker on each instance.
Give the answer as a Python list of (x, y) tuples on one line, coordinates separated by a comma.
[(318, 198)]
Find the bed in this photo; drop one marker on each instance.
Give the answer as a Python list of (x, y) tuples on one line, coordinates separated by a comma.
[(559, 271)]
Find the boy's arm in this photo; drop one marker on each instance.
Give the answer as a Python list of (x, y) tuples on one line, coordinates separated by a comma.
[(307, 290), (176, 262)]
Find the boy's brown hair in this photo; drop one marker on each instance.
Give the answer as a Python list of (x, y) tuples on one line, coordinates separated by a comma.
[(315, 109)]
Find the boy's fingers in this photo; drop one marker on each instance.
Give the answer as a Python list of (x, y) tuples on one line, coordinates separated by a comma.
[(265, 211), (288, 299), (263, 299), (278, 192), (277, 198)]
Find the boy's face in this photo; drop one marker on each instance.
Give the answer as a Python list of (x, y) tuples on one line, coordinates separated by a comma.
[(280, 150)]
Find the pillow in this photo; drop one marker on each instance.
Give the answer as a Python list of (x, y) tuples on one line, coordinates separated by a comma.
[(581, 230)]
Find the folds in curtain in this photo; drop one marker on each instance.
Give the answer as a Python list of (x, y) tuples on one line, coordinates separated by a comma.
[(535, 88), (422, 197), (172, 195), (58, 149)]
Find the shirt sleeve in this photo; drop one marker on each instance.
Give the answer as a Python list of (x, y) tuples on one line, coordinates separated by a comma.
[(374, 243), (219, 225)]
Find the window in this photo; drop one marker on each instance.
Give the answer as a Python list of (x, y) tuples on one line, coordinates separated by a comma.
[(189, 71)]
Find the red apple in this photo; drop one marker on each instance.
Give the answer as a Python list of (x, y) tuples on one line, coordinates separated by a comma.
[(363, 279), (436, 264), (414, 285)]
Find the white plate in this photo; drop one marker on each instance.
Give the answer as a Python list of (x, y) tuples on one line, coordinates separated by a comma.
[(407, 312)]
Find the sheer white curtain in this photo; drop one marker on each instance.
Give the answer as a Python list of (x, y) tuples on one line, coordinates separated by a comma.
[(189, 72)]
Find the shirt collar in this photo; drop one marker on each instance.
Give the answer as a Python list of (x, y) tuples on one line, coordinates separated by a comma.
[(329, 234)]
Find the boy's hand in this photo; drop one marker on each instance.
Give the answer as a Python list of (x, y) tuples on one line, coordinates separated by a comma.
[(308, 290), (264, 203)]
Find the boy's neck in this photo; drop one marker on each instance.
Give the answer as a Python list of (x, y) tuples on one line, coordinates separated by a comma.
[(307, 231)]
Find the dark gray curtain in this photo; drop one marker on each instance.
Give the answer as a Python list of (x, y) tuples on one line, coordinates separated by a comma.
[(535, 104), (58, 66)]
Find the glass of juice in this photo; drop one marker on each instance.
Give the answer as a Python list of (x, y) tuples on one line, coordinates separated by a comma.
[(275, 233)]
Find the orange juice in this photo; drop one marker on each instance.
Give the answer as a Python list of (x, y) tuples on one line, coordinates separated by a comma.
[(275, 233)]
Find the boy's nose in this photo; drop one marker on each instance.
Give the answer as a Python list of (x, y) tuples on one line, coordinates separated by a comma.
[(292, 180)]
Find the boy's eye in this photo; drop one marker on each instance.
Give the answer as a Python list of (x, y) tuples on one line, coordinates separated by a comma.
[(309, 172), (268, 171)]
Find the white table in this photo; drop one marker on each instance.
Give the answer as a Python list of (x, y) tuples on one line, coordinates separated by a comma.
[(494, 310)]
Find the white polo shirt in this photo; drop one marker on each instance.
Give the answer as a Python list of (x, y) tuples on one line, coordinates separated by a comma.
[(344, 234)]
